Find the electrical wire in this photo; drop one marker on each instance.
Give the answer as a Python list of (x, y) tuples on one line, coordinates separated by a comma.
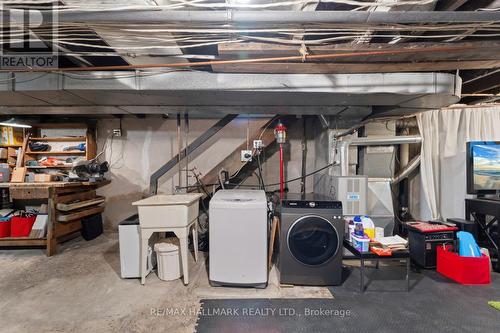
[(259, 165), (275, 184), (307, 175), (158, 44)]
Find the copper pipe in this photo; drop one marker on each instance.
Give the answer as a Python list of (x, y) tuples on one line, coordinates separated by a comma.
[(302, 58)]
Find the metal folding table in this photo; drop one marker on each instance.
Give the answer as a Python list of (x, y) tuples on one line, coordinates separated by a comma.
[(369, 256)]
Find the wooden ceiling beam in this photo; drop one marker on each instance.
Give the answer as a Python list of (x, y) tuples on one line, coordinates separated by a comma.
[(349, 68), (471, 50), (484, 84)]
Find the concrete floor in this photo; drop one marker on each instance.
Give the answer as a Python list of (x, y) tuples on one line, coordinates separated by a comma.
[(80, 290)]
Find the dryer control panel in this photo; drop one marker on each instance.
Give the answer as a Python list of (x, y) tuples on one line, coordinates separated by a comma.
[(312, 204)]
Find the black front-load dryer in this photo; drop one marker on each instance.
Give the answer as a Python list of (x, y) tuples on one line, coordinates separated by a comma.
[(310, 242)]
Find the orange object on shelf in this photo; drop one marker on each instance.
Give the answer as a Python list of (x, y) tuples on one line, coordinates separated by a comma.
[(52, 161), (381, 251)]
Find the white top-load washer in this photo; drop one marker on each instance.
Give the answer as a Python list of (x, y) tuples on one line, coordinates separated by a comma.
[(238, 231)]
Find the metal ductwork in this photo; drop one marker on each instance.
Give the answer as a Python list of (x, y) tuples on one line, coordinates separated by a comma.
[(386, 140), (343, 147), (258, 17)]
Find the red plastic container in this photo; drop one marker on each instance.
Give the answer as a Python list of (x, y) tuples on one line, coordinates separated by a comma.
[(464, 270), (4, 229), (21, 226)]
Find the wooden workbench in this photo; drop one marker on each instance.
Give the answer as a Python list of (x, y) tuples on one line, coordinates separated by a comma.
[(54, 193)]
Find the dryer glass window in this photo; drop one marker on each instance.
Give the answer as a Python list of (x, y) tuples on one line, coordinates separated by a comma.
[(312, 240)]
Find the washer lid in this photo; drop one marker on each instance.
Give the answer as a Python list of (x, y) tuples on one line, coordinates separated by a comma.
[(239, 198)]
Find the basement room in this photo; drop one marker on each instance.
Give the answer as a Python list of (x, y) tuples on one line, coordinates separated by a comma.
[(211, 166)]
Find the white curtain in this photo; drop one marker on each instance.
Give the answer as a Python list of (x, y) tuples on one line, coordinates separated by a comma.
[(443, 172)]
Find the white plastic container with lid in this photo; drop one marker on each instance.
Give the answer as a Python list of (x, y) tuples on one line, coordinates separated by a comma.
[(168, 261), (362, 244)]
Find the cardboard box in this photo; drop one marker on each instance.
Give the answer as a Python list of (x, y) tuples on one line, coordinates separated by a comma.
[(11, 136), (12, 152), (42, 177)]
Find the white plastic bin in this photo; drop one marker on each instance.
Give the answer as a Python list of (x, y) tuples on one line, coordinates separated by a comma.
[(168, 260)]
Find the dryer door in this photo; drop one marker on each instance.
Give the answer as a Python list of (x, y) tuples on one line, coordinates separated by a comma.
[(313, 240)]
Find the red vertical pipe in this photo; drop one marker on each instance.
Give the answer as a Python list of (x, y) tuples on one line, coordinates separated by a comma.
[(282, 175)]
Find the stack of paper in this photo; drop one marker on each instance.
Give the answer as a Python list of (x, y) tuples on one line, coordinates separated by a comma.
[(393, 242)]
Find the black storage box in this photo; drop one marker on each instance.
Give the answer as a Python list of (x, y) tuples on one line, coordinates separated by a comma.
[(423, 246), (92, 226), (465, 225)]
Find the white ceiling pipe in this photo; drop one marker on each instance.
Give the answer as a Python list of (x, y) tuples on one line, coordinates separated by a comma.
[(386, 140)]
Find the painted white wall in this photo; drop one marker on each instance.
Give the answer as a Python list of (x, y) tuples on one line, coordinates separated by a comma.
[(149, 142), (146, 145)]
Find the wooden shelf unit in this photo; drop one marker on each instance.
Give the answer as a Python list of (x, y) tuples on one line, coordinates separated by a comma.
[(55, 193), (89, 140), (60, 139), (7, 146), (57, 153), (35, 167)]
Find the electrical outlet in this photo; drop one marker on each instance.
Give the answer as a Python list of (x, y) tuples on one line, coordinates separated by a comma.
[(257, 144), (246, 155), (117, 132)]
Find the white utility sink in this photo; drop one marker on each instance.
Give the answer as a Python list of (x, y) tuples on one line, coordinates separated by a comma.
[(168, 210)]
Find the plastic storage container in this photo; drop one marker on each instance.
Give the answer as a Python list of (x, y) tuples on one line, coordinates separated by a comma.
[(21, 226), (168, 261), (5, 227), (361, 243), (92, 227), (4, 173), (129, 235), (464, 270)]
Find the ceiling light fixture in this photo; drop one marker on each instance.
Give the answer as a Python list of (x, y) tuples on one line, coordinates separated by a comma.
[(13, 122)]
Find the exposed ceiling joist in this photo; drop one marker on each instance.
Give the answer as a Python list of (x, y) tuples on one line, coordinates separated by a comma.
[(484, 84), (477, 50), (474, 55), (351, 68), (449, 5)]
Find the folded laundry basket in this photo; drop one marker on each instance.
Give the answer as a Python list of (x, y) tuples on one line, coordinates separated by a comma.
[(464, 270)]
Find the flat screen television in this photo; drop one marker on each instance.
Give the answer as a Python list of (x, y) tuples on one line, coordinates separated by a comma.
[(483, 167)]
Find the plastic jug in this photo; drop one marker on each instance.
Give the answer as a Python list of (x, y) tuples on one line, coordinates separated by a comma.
[(358, 226), (368, 226), (350, 230)]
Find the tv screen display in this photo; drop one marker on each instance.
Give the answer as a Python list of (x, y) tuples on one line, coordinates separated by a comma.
[(483, 166)]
